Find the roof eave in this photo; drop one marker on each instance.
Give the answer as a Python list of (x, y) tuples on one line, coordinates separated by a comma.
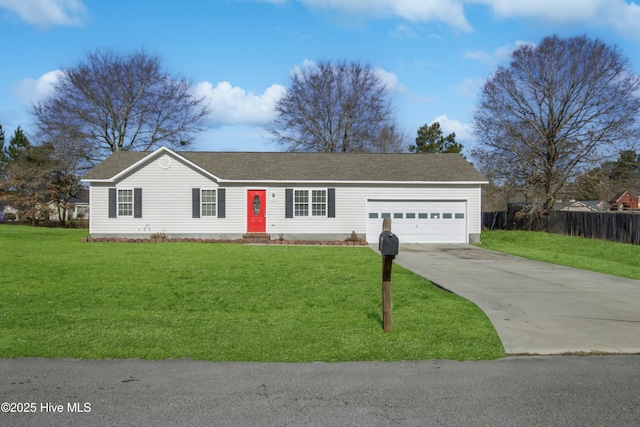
[(99, 181), (303, 181), (140, 162)]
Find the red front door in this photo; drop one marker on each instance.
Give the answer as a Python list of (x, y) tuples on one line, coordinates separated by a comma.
[(256, 211)]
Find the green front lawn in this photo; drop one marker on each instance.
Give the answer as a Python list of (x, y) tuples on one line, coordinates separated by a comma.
[(60, 297), (618, 259)]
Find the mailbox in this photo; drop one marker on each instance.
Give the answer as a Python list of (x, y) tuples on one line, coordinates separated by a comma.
[(388, 244)]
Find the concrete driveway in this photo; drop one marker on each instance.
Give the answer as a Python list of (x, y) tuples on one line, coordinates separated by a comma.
[(536, 308)]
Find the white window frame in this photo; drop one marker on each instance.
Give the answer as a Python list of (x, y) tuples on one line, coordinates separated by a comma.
[(319, 203), (208, 208), (310, 202), (300, 202), (125, 208)]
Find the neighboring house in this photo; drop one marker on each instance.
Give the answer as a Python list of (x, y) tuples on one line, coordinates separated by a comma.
[(78, 209), (309, 196), (624, 201), (585, 206), (7, 213)]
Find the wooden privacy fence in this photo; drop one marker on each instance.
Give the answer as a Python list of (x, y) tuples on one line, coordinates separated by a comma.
[(614, 227), (512, 220)]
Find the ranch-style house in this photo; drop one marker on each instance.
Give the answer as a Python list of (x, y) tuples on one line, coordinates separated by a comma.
[(430, 198)]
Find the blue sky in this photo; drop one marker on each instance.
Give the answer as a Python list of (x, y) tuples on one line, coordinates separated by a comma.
[(433, 54)]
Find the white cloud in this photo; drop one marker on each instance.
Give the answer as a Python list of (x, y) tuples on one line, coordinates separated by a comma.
[(390, 80), (30, 91), (45, 13), (500, 55), (463, 131), (621, 15), (402, 30), (558, 10), (235, 106), (448, 11), (307, 65), (230, 105), (626, 21), (480, 55), (470, 87)]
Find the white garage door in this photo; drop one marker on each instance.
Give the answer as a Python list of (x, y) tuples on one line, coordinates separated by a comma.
[(419, 221)]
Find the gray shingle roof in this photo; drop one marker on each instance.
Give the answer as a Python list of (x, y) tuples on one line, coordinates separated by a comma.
[(286, 166)]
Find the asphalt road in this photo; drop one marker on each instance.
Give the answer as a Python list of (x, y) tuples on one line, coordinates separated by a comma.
[(515, 391)]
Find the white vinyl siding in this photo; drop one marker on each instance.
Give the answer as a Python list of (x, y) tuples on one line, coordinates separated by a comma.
[(351, 207), (167, 204), (167, 186)]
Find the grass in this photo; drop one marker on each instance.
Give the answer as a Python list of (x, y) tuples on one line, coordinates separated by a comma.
[(618, 259), (60, 297)]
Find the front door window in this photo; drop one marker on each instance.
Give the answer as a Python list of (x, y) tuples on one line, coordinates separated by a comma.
[(256, 205)]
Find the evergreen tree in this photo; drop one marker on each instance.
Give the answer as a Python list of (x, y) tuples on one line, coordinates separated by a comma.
[(3, 157), (18, 147), (16, 150), (430, 139), (627, 169)]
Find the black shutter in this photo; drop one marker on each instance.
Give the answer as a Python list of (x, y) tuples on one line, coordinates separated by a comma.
[(195, 199), (221, 203), (113, 203), (137, 202), (288, 201), (331, 202)]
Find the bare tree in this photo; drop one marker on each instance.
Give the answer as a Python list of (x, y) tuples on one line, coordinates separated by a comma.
[(594, 184), (559, 107), (342, 107), (111, 102), (390, 140)]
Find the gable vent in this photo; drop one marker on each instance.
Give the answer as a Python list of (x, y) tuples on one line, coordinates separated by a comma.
[(165, 162)]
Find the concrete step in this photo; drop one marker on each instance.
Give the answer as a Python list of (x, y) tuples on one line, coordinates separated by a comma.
[(256, 237)]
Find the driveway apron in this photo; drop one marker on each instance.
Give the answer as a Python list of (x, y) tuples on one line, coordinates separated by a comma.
[(536, 308)]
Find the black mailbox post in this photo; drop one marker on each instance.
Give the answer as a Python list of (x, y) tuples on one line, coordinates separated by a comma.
[(388, 244)]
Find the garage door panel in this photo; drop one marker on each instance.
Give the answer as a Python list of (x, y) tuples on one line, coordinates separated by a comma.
[(419, 221)]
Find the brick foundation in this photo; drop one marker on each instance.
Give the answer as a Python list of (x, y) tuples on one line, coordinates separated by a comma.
[(237, 241)]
